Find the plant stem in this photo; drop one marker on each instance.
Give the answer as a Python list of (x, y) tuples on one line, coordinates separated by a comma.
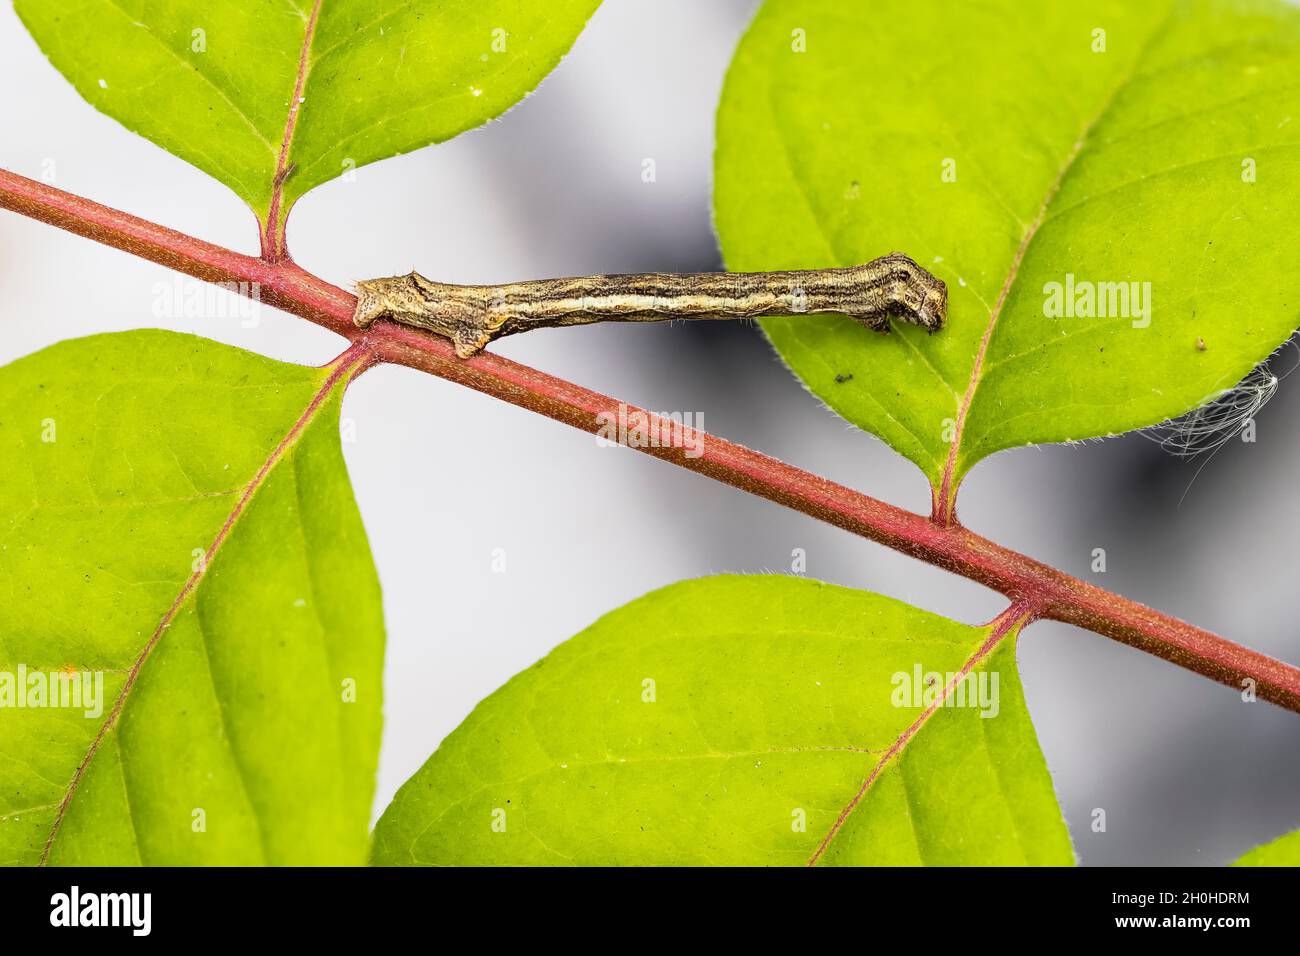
[(1045, 591), (281, 284)]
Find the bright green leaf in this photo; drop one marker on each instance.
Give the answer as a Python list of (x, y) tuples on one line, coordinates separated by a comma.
[(1284, 851), (1111, 141), (730, 720), (212, 80), (128, 457)]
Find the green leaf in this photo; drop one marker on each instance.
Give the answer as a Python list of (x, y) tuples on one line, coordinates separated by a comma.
[(179, 511), (1127, 165), (1284, 851), (731, 720), (213, 80)]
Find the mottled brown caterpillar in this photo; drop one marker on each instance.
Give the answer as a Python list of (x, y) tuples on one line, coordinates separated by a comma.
[(471, 316)]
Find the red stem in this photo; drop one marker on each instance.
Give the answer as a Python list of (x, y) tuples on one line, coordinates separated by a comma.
[(1043, 590)]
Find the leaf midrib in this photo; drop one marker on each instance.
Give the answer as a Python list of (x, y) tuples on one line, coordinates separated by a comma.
[(346, 367), (275, 214), (1007, 625), (946, 492)]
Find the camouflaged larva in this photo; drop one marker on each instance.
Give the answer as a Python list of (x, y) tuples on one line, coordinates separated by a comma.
[(471, 316)]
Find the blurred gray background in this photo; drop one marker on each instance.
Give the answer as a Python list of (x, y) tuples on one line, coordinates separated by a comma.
[(1187, 772)]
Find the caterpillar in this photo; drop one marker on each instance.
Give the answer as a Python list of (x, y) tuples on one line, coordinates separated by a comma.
[(471, 316)]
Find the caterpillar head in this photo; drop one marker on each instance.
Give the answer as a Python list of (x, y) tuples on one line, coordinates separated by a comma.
[(917, 297)]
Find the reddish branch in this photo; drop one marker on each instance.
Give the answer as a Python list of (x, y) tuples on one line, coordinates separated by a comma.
[(1041, 590)]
